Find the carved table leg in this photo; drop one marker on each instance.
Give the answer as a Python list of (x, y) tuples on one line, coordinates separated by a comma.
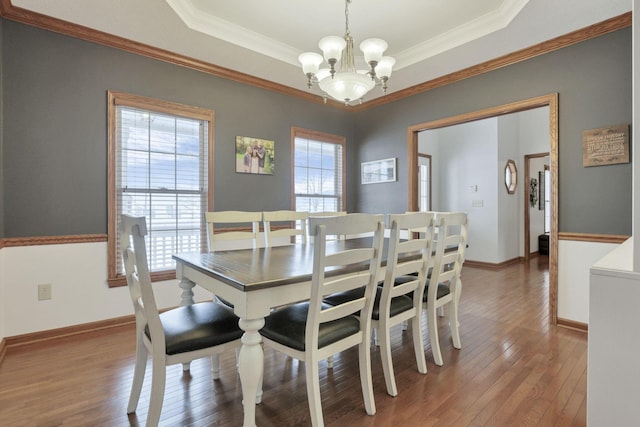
[(186, 297), (250, 367)]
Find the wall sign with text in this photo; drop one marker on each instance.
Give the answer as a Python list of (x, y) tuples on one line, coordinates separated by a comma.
[(605, 146)]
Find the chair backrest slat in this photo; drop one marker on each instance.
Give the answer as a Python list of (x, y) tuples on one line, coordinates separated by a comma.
[(330, 213), (295, 222), (351, 256), (343, 284), (237, 218)]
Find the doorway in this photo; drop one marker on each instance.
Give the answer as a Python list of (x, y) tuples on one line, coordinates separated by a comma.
[(535, 207), (551, 101)]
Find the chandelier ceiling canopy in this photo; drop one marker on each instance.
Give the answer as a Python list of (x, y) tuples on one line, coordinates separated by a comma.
[(347, 84)]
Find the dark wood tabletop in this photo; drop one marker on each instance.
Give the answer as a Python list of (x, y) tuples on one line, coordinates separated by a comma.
[(254, 269)]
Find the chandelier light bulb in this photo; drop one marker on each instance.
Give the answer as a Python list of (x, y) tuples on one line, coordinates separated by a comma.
[(332, 47), (385, 66), (373, 50), (310, 62)]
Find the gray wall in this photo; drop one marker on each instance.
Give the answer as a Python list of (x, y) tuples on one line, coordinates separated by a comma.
[(55, 159), (593, 79)]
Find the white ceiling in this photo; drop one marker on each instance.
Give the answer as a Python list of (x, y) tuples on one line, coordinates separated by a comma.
[(428, 38)]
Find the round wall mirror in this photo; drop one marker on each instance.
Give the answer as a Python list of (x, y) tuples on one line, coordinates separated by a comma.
[(511, 176)]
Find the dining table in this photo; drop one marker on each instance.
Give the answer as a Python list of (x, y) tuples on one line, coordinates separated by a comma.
[(255, 281)]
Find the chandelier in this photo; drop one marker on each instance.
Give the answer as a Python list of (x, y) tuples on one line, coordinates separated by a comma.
[(347, 84)]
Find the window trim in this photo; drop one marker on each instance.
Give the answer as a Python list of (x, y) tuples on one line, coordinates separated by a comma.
[(115, 278), (297, 132)]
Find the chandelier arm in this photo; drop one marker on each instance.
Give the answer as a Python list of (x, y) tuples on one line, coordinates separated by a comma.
[(372, 72)]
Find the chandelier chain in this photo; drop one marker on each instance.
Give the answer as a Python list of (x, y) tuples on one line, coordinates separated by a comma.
[(346, 17)]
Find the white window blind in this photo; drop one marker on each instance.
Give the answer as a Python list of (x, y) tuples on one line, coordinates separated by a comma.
[(162, 175), (318, 175), (159, 161)]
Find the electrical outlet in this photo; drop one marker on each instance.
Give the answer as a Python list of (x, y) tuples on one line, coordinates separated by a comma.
[(44, 291)]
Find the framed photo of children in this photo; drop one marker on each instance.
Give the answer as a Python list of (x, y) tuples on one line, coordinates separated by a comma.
[(255, 155)]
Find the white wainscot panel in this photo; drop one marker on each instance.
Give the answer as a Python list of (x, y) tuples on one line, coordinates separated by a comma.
[(80, 294), (575, 259)]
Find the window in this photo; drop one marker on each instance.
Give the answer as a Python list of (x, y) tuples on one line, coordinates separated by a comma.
[(547, 199), (424, 182), (318, 171), (160, 156)]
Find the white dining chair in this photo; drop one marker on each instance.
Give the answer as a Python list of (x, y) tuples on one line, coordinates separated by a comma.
[(285, 224), (229, 228), (444, 286), (176, 336), (330, 213), (399, 303), (239, 230), (311, 331)]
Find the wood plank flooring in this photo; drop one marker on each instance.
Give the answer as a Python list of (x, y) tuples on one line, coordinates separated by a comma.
[(513, 369)]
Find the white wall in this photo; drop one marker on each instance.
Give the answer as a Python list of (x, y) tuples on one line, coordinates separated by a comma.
[(462, 155), (475, 154), (574, 263), (509, 205), (78, 275)]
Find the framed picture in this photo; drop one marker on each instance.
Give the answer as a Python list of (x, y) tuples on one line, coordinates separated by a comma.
[(379, 171), (255, 155)]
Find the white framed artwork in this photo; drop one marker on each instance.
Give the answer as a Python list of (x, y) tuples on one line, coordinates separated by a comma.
[(378, 171)]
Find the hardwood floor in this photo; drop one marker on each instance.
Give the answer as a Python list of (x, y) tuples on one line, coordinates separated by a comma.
[(513, 369)]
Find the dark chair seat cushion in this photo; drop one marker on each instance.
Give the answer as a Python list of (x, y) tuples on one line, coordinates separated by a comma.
[(398, 304), (287, 326), (198, 326), (401, 280), (443, 288)]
